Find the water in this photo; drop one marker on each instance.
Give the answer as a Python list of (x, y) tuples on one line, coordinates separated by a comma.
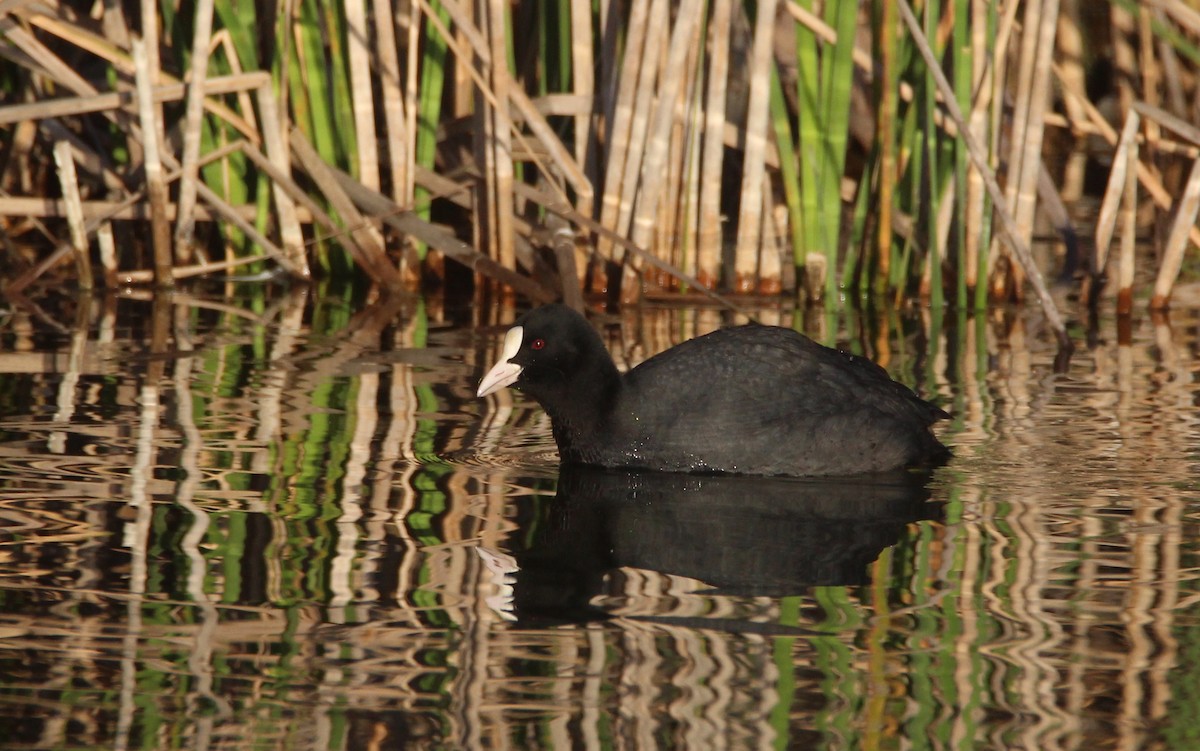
[(288, 524)]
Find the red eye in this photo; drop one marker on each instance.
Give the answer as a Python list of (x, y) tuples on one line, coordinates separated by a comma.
[(538, 343)]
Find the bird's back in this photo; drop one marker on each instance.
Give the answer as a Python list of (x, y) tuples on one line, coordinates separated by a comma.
[(766, 400)]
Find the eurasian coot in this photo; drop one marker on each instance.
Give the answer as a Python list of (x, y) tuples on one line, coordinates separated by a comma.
[(759, 400)]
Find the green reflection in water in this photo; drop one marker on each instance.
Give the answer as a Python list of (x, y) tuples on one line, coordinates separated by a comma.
[(785, 684)]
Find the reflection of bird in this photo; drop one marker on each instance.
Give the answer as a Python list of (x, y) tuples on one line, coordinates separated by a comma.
[(502, 569), (748, 536), (758, 400)]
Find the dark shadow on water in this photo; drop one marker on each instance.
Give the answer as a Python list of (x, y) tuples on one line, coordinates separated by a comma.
[(742, 536)]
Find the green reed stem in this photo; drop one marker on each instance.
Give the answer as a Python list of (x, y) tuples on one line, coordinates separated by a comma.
[(429, 107), (932, 182), (961, 68), (789, 173)]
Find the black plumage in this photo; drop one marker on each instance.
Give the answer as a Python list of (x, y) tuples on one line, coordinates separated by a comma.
[(753, 399)]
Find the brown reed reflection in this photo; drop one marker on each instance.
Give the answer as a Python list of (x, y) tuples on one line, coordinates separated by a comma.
[(221, 530)]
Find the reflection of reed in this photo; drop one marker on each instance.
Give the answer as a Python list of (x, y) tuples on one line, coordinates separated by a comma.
[(337, 598)]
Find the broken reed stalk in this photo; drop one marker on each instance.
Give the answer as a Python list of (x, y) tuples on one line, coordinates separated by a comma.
[(379, 207), (1177, 241), (1147, 179), (1106, 221), (979, 157), (365, 243), (74, 205)]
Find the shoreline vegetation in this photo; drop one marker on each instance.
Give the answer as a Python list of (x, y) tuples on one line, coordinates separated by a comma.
[(559, 148)]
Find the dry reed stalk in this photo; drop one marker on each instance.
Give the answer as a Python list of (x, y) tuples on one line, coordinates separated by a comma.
[(223, 209), (686, 228), (140, 276), (1124, 58), (1107, 220), (1172, 71), (291, 237), (156, 187), (534, 119), (979, 157), (493, 146), (1182, 13), (84, 155), (223, 40), (1177, 241), (459, 193), (409, 223), (50, 64), (667, 239), (316, 213), (566, 211), (392, 99), (671, 86), (82, 105), (996, 83), (1146, 177), (980, 73), (563, 242), (942, 222), (74, 209), (1171, 122), (1071, 55), (185, 223), (1033, 97), (561, 158), (631, 115), (612, 31), (636, 281), (118, 58), (582, 61), (748, 249), (769, 274), (517, 97), (411, 85), (621, 133), (364, 244), (107, 245), (684, 182), (125, 209), (362, 97), (1151, 75), (122, 62), (708, 237), (1052, 204), (1129, 230), (115, 29)]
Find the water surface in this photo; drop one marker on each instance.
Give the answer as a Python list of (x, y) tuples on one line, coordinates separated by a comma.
[(277, 522)]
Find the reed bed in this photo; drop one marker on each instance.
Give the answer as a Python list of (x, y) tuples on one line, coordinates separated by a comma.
[(830, 149)]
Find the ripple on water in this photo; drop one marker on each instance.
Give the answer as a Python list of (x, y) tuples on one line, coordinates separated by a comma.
[(290, 536)]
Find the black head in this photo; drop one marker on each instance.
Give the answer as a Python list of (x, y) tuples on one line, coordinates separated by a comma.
[(550, 352)]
